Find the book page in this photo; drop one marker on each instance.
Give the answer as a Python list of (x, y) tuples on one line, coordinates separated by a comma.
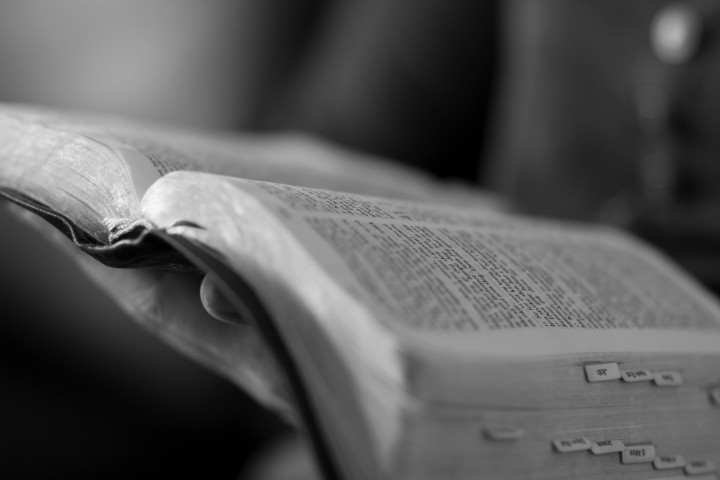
[(449, 306), (96, 169), (74, 175), (428, 268), (148, 152)]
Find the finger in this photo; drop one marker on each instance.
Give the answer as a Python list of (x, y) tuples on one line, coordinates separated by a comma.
[(215, 302)]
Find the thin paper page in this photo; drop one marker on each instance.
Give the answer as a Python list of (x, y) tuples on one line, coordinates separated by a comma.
[(435, 269)]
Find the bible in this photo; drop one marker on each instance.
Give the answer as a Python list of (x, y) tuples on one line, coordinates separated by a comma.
[(413, 329)]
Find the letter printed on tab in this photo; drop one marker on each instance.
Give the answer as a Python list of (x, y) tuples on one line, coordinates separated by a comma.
[(669, 461), (599, 372), (568, 445), (668, 379), (503, 433), (638, 453), (698, 467), (600, 447), (631, 376)]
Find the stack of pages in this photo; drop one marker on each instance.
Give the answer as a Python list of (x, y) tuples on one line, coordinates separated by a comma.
[(417, 331)]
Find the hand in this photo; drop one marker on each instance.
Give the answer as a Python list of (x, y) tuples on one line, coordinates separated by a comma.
[(168, 305), (215, 302), (174, 306)]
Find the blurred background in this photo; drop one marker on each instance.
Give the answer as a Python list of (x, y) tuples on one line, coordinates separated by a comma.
[(85, 393), (602, 111)]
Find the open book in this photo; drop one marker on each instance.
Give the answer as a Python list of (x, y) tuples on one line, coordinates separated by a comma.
[(416, 332)]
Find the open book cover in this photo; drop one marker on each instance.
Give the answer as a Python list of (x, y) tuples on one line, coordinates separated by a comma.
[(416, 331)]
